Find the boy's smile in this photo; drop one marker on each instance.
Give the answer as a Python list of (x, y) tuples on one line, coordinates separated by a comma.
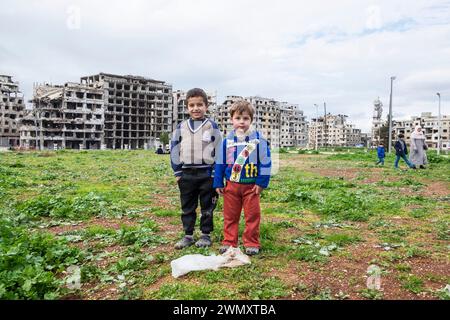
[(196, 108)]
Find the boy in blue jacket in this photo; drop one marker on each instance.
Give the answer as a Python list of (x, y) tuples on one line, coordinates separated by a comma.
[(244, 161), (381, 154)]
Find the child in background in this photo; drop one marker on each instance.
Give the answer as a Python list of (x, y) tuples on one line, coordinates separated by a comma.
[(381, 154)]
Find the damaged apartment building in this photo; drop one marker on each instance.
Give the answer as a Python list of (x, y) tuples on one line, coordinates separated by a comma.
[(137, 109), (12, 108), (281, 123), (68, 116), (103, 111), (334, 131)]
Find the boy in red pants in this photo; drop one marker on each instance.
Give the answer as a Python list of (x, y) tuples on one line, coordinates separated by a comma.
[(244, 161)]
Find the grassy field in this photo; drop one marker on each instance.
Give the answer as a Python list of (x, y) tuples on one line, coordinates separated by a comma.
[(326, 219)]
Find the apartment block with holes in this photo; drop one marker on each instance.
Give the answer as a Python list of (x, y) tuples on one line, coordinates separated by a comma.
[(281, 123), (333, 131), (430, 126), (12, 108), (64, 116), (137, 109)]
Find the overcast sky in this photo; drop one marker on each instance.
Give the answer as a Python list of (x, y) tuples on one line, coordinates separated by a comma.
[(341, 52)]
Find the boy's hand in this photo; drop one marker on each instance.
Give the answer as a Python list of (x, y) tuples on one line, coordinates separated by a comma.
[(178, 178), (219, 191), (257, 189)]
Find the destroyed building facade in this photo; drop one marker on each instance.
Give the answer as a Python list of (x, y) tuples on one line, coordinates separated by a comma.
[(334, 131), (69, 116), (137, 109), (281, 123), (12, 108)]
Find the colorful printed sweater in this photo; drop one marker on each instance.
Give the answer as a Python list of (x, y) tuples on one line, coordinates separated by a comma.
[(247, 161)]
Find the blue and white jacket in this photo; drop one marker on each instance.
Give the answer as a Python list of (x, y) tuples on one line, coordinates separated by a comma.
[(237, 161)]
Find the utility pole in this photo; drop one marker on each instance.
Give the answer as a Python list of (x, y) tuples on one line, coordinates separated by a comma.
[(325, 130), (439, 125), (390, 117), (317, 125)]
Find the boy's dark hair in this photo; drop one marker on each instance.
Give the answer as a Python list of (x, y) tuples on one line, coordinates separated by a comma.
[(401, 136), (381, 144), (242, 106), (197, 92)]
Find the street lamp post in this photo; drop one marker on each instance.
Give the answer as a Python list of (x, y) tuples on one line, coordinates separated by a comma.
[(390, 118), (317, 125), (325, 131), (439, 125)]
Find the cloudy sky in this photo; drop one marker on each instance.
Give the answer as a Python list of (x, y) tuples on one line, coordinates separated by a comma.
[(306, 52)]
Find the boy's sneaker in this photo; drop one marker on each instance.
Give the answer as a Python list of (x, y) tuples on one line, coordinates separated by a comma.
[(204, 241), (223, 249), (185, 242), (251, 251)]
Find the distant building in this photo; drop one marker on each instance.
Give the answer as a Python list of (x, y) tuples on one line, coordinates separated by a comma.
[(137, 109), (281, 123), (336, 133), (430, 126), (12, 107), (69, 116), (104, 111)]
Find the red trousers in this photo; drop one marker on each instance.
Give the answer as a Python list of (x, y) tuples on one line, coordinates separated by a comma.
[(237, 196)]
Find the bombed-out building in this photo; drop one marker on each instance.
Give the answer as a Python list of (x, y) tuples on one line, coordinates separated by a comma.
[(137, 109), (12, 107), (281, 123), (64, 116), (333, 131)]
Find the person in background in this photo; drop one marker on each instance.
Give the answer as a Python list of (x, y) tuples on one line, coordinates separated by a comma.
[(159, 150), (418, 156), (401, 151), (381, 154)]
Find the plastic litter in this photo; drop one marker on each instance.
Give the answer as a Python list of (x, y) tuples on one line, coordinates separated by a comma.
[(373, 277), (233, 257)]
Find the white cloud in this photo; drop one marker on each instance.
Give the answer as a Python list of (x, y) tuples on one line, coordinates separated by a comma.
[(341, 52)]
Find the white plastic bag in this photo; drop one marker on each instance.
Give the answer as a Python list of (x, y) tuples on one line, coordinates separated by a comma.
[(233, 257)]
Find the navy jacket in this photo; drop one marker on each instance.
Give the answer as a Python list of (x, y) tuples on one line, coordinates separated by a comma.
[(400, 148)]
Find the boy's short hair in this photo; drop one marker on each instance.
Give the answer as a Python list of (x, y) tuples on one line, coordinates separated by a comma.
[(381, 144), (197, 92), (241, 107), (401, 135)]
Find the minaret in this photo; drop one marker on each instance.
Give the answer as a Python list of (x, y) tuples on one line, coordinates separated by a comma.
[(377, 123)]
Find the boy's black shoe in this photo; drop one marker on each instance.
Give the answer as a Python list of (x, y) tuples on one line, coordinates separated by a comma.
[(204, 241), (185, 242)]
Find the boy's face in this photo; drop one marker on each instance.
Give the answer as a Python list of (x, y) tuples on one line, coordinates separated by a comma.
[(241, 122), (196, 108)]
